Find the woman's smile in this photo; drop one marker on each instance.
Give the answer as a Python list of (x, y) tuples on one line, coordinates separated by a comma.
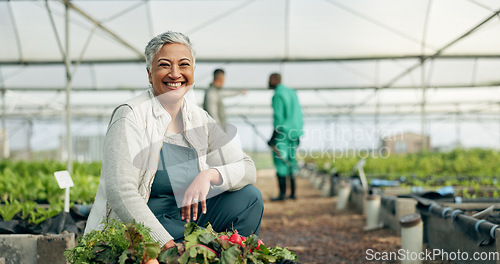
[(174, 85)]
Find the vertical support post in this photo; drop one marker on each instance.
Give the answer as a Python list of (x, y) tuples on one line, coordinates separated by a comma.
[(67, 63), (377, 109), (423, 113), (423, 81), (29, 133), (5, 138), (457, 127)]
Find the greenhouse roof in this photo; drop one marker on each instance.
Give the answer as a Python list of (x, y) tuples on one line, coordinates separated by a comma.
[(346, 58)]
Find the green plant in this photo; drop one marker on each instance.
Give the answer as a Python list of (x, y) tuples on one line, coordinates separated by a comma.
[(34, 181), (10, 209), (117, 243), (27, 208), (204, 245)]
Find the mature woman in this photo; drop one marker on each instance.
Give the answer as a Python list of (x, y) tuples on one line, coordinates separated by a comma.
[(167, 162)]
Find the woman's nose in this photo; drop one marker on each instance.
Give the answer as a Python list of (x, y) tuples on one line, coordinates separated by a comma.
[(175, 73)]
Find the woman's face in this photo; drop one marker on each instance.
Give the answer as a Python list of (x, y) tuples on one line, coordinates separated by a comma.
[(172, 72)]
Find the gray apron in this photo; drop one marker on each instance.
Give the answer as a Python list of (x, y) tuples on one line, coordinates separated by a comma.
[(240, 210)]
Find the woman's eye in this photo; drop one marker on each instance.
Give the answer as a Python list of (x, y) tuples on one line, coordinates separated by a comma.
[(185, 64), (164, 65)]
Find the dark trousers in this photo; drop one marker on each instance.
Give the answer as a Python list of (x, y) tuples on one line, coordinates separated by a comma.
[(240, 210), (282, 183)]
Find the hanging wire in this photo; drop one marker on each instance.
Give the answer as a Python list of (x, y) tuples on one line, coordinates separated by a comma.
[(13, 74), (287, 29), (149, 16), (411, 77), (474, 73), (426, 23), (84, 49), (61, 15), (218, 17), (123, 12), (93, 76), (54, 29), (102, 27), (16, 130), (322, 98), (481, 5), (355, 72), (375, 22), (402, 117), (16, 32), (437, 53)]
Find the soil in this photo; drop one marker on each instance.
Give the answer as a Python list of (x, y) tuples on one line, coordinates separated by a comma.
[(315, 230)]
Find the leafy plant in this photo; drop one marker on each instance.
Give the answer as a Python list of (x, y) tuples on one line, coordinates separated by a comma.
[(10, 209), (117, 243), (34, 181), (204, 245), (131, 243), (27, 209)]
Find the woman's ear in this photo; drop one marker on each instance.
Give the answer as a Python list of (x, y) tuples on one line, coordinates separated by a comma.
[(149, 76)]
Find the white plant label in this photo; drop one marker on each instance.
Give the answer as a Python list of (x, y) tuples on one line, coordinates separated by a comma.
[(64, 179)]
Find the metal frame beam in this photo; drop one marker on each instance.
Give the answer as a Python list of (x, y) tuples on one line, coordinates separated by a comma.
[(253, 89), (491, 115), (260, 60)]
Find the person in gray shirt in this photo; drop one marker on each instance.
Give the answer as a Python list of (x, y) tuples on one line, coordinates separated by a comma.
[(213, 102)]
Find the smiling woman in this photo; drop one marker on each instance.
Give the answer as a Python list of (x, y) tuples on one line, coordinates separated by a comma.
[(172, 75), (172, 70), (167, 162)]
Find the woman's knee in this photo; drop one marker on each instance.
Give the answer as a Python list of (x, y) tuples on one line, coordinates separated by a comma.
[(253, 193)]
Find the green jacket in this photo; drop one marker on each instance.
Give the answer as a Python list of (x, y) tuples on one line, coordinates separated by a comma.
[(287, 113)]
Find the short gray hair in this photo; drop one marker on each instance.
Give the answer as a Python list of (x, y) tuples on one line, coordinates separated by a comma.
[(155, 44)]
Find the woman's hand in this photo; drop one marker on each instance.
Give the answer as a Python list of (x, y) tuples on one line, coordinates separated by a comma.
[(152, 261), (169, 244), (197, 193)]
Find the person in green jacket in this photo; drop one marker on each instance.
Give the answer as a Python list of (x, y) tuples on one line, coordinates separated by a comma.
[(287, 131)]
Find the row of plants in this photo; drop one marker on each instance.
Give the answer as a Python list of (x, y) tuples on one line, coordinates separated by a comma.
[(456, 163), (29, 211), (29, 191), (474, 168), (25, 185)]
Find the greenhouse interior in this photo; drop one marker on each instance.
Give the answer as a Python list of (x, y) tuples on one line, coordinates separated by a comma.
[(400, 103)]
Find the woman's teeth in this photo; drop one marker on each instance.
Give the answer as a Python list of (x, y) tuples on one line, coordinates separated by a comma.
[(177, 84)]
